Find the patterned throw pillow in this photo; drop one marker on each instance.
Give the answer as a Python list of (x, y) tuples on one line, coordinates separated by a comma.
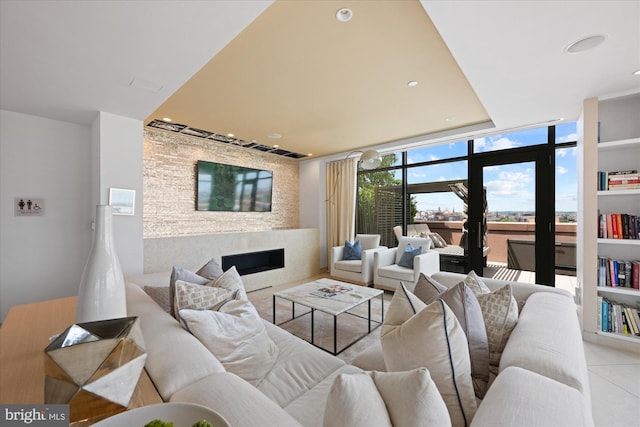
[(206, 275), (500, 313), (438, 241), (476, 284), (406, 260), (186, 276), (197, 297)]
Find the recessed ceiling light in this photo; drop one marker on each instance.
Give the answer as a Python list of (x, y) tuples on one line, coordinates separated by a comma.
[(230, 135), (274, 136), (636, 73), (449, 119), (344, 14), (412, 83), (309, 154), (586, 43), (166, 119), (275, 146)]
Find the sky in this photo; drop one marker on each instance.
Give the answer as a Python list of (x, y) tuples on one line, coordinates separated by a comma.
[(509, 187)]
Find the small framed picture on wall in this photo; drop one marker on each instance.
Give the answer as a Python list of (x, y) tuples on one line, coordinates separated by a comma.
[(122, 201)]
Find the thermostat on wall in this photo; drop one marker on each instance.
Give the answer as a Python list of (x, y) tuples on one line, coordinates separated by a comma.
[(28, 206)]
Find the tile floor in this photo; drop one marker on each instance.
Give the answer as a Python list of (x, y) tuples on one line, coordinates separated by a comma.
[(614, 378)]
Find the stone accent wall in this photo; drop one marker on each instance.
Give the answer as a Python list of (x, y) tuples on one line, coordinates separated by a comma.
[(170, 187)]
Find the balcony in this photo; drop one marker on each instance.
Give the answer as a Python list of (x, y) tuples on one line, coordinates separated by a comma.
[(512, 243)]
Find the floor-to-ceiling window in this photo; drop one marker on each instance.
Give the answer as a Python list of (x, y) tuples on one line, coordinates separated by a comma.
[(415, 187)]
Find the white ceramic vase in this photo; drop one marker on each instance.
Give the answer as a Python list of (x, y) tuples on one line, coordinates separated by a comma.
[(102, 292)]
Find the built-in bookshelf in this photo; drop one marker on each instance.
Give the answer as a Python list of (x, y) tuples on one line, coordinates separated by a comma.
[(618, 249)]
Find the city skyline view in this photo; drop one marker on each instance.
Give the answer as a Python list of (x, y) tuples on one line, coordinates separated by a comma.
[(510, 188)]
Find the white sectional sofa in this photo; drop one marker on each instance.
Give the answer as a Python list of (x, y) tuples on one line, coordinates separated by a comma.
[(542, 380)]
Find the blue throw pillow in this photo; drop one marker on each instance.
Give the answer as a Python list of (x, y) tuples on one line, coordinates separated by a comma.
[(352, 251), (406, 260)]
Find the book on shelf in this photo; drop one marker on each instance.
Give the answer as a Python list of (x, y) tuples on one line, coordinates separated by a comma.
[(618, 180), (618, 226), (617, 318), (618, 273)]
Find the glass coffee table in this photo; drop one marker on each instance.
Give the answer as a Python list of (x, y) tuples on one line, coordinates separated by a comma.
[(334, 298)]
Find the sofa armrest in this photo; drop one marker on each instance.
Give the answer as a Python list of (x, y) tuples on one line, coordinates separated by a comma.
[(384, 257), (337, 253), (368, 254), (427, 264)]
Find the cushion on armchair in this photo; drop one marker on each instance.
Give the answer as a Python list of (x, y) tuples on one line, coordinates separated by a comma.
[(415, 243), (352, 251), (406, 260)]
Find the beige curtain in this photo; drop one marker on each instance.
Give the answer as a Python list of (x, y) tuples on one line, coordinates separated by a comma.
[(341, 202)]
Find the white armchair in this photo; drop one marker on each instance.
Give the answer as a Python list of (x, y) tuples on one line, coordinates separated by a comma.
[(387, 274), (357, 271)]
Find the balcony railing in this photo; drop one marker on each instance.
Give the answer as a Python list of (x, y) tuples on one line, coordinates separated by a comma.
[(514, 240)]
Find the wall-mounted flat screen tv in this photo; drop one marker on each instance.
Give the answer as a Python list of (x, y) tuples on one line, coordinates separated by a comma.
[(223, 187)]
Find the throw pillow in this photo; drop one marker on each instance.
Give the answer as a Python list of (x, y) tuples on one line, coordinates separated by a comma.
[(406, 260), (237, 337), (438, 241), (231, 281), (464, 304), (199, 297), (428, 289), (500, 316), (354, 400), (412, 398), (500, 313), (476, 284), (352, 251), (415, 335), (187, 276), (160, 294), (210, 270), (408, 398)]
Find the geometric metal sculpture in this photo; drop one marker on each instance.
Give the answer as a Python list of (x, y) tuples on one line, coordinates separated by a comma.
[(95, 367)]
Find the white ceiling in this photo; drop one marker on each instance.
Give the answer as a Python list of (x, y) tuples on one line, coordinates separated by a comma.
[(512, 53), (66, 60)]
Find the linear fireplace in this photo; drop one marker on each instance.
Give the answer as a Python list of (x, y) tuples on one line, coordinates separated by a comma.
[(254, 262)]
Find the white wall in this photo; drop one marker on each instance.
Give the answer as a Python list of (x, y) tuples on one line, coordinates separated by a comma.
[(116, 152), (43, 257), (71, 167)]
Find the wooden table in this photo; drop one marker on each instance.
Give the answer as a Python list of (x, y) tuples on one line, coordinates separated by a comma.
[(23, 337)]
